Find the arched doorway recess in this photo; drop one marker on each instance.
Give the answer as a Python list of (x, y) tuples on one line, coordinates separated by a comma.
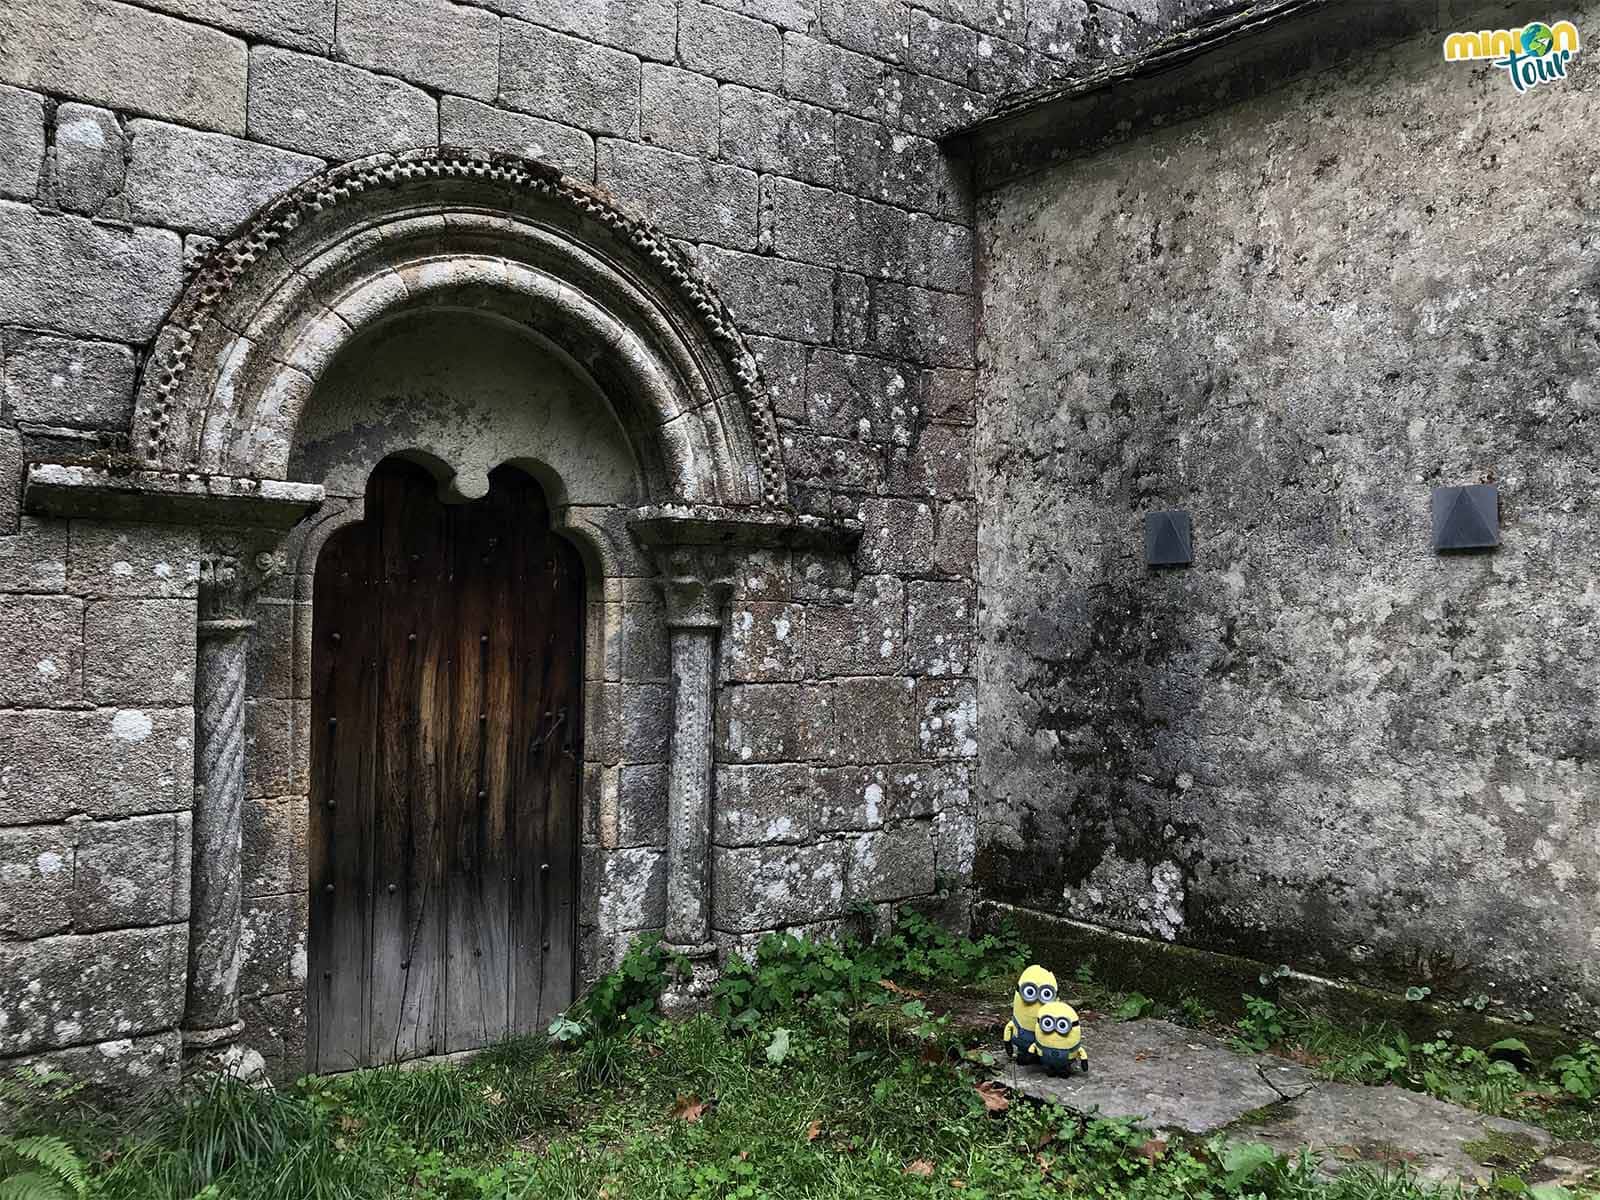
[(220, 429)]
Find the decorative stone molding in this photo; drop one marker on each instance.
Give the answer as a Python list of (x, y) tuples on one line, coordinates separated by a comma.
[(321, 231)]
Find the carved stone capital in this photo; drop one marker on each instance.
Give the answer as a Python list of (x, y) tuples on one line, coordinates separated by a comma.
[(222, 588), (230, 575), (697, 581)]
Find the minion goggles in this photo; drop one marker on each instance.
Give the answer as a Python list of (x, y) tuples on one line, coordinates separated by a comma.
[(1036, 993)]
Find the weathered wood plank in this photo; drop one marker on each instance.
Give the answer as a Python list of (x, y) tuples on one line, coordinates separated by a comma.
[(527, 801), (343, 724), (449, 742), (426, 884), (475, 996), (405, 927)]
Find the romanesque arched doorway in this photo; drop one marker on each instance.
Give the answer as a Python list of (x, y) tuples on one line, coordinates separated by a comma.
[(446, 743), (324, 337)]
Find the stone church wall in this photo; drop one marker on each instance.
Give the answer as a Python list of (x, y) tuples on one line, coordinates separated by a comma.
[(1322, 744), (789, 145)]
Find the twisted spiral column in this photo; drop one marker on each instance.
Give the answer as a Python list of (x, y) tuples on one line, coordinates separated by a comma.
[(211, 1011)]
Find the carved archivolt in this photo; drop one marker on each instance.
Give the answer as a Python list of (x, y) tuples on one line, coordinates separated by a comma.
[(240, 354)]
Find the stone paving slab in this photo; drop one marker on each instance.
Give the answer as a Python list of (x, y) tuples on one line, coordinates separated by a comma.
[(1345, 1124), (1171, 1078), (1166, 1076)]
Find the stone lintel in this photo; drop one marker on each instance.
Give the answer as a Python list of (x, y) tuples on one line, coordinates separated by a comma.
[(166, 497), (740, 528)]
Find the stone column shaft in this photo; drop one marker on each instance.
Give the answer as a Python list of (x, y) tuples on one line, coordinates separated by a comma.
[(214, 893), (697, 584), (689, 785), (211, 1008)]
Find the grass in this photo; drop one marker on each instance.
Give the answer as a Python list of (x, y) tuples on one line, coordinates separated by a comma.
[(686, 1110), (810, 1078)]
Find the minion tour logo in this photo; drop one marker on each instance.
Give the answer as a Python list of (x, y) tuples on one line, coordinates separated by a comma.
[(1534, 54)]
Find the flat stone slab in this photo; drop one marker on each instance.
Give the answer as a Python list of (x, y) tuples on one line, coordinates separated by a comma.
[(1164, 1076), (1347, 1124), (1170, 1078)]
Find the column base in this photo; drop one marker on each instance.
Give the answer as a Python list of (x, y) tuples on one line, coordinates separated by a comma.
[(690, 990), (217, 1050)]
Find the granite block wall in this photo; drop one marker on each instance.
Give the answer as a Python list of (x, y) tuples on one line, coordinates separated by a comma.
[(96, 778), (790, 146)]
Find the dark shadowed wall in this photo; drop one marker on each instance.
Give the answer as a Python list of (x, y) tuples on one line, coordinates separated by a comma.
[(1322, 744)]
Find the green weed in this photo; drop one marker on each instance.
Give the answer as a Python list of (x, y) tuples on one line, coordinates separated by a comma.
[(1500, 1080), (788, 971), (778, 1093), (1579, 1072), (1262, 1025), (629, 998)]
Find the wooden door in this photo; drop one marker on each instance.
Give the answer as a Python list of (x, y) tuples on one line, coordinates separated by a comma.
[(446, 739)]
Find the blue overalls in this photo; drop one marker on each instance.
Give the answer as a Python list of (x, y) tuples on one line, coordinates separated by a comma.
[(1021, 1040), (1056, 1060)]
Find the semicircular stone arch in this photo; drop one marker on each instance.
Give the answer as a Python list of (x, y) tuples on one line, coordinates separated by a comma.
[(238, 361)]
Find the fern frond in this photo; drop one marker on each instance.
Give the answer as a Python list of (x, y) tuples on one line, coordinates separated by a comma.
[(29, 1088), (30, 1185), (54, 1155)]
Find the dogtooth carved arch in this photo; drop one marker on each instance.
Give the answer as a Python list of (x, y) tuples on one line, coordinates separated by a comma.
[(238, 359)]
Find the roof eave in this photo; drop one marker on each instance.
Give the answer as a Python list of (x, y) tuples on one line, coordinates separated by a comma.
[(1242, 53)]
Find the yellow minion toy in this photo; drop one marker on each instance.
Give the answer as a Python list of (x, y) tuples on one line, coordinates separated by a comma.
[(1058, 1040), (1035, 987)]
